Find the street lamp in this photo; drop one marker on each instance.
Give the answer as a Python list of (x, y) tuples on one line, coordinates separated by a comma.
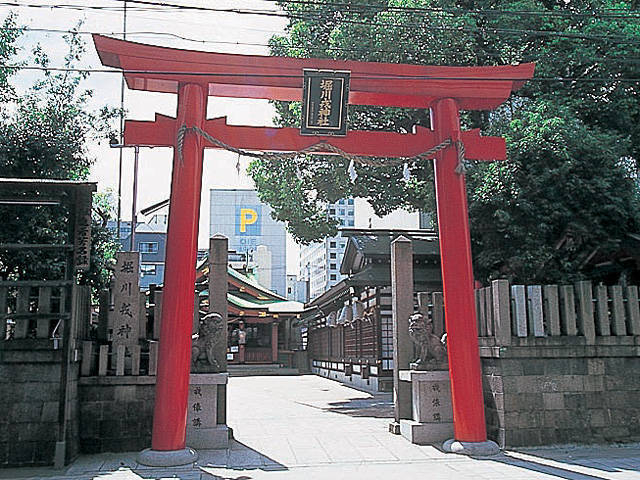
[(134, 202)]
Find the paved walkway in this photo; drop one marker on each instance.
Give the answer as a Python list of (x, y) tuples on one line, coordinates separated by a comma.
[(310, 428)]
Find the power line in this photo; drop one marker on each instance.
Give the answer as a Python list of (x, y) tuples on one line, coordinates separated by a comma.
[(367, 77), (400, 8), (631, 60), (540, 33)]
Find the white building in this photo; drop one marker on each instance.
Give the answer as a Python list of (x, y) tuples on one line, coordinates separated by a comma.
[(240, 216), (296, 289), (320, 262)]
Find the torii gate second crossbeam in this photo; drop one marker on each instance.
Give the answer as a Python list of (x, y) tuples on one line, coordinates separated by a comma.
[(193, 76)]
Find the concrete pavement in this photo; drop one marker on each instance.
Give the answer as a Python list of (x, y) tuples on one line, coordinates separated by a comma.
[(311, 428)]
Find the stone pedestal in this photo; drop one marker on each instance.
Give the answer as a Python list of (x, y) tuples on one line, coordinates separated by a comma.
[(205, 427), (432, 414)]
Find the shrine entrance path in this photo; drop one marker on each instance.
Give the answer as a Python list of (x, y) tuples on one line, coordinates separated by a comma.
[(311, 428)]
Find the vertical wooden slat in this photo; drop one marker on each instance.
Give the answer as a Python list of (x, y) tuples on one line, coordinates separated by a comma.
[(618, 325), (633, 312), (519, 310), (3, 312), (142, 329), (423, 303), (103, 360), (196, 314), (87, 357), (536, 323), (63, 300), (437, 301), (44, 307), (153, 356), (551, 310), (568, 324), (135, 359), (603, 323), (22, 307), (481, 313), (103, 316), (488, 310), (120, 350), (586, 323), (157, 314), (501, 311)]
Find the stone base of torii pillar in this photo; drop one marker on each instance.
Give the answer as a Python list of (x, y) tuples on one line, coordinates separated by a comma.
[(167, 458)]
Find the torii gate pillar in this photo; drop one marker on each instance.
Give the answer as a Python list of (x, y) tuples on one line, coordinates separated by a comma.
[(457, 286), (174, 354)]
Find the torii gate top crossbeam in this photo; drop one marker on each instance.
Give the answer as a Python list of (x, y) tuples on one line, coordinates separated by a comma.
[(161, 69)]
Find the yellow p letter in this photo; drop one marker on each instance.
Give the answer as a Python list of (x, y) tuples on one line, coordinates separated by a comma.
[(248, 216)]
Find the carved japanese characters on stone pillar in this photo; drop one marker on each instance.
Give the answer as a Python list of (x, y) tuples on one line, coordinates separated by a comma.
[(433, 352), (205, 345)]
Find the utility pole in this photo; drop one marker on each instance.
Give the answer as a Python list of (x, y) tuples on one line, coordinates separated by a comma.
[(134, 201), (124, 37)]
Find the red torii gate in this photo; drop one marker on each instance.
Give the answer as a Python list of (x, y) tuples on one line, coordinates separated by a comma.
[(194, 75)]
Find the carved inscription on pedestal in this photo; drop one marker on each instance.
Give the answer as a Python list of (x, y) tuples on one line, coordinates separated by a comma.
[(126, 299)]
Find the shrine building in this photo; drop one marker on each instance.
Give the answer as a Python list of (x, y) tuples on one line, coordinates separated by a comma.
[(260, 322), (349, 327)]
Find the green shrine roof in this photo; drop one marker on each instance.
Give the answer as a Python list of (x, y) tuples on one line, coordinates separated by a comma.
[(249, 282)]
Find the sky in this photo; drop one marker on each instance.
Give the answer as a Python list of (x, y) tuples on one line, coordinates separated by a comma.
[(214, 31)]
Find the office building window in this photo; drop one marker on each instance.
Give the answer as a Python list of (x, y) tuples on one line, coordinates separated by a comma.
[(332, 277), (332, 266), (332, 255), (341, 201), (289, 290), (342, 211), (148, 247), (350, 213), (332, 244), (148, 269), (350, 223), (332, 211), (350, 201)]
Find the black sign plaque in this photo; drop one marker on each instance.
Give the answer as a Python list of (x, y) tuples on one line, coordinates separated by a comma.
[(324, 102)]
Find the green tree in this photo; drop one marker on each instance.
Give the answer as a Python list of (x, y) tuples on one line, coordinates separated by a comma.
[(44, 133), (567, 130), (9, 33)]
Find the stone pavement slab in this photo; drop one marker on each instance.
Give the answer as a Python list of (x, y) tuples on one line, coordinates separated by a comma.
[(312, 428)]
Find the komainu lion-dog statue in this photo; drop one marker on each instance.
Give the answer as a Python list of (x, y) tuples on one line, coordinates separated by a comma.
[(205, 344), (433, 351)]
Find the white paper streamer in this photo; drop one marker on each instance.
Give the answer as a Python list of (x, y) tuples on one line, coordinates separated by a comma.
[(406, 173), (352, 171)]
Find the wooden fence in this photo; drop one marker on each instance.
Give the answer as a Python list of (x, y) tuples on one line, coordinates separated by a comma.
[(108, 359), (505, 311), (38, 309)]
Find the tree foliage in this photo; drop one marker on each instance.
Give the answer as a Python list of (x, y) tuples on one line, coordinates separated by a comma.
[(45, 133), (565, 189)]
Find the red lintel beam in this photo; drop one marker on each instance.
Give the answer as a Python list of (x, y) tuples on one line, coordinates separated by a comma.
[(162, 133), (161, 69)]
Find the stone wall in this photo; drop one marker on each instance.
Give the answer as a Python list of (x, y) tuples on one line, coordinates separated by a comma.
[(543, 391), (116, 413), (30, 396)]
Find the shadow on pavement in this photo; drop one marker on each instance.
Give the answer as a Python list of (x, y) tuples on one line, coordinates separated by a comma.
[(241, 463), (377, 407), (561, 463)]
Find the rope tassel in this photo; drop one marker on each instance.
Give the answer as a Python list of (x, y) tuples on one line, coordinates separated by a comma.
[(461, 168), (182, 131)]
